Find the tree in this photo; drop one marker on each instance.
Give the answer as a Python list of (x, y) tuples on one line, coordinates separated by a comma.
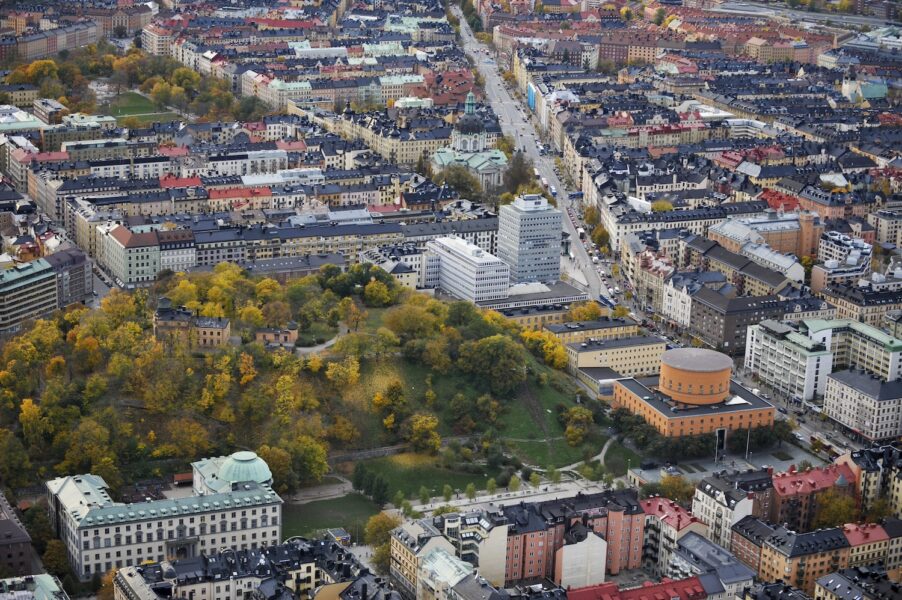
[(458, 178), (535, 480), (584, 311), (591, 216), (377, 533), (350, 313), (491, 485), (600, 236), (280, 464), (161, 94), (424, 494), (15, 466), (471, 490), (620, 311), (447, 492), (309, 458), (661, 206), (834, 508), (376, 294), (678, 488), (578, 420), (626, 14), (185, 78), (514, 484), (879, 510), (55, 559), (846, 6), (107, 587), (519, 172), (660, 15), (498, 359), (424, 436)]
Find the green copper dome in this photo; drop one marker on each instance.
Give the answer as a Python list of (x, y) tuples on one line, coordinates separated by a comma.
[(245, 466)]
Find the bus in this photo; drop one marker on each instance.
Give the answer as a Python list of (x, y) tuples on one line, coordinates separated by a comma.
[(581, 232), (575, 195)]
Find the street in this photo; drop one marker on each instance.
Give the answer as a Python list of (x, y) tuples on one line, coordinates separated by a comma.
[(514, 123)]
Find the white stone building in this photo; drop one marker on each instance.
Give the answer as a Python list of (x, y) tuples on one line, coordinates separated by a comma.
[(101, 534), (465, 271), (529, 239), (868, 407)]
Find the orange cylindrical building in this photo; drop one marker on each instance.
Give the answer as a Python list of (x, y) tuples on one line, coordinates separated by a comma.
[(695, 376)]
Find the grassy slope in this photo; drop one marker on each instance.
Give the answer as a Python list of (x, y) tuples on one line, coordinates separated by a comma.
[(350, 512)]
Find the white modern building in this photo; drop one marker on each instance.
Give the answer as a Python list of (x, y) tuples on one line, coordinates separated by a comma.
[(101, 534), (796, 358), (465, 271), (786, 360), (529, 239), (866, 405)]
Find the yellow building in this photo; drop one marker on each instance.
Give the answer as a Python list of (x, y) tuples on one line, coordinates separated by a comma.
[(606, 328), (635, 356), (800, 559)]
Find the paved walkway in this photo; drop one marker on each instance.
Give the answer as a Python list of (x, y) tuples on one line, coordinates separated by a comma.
[(302, 351), (327, 491), (599, 457)]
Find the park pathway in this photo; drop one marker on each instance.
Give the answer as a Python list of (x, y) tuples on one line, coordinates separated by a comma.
[(599, 457)]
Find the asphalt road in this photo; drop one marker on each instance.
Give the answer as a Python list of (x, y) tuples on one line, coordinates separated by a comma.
[(760, 8), (514, 120)]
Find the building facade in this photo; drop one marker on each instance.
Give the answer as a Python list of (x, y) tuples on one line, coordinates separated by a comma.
[(529, 239)]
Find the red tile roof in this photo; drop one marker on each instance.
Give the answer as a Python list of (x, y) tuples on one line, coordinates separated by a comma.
[(865, 533), (684, 589), (813, 480), (669, 511), (171, 181), (778, 200), (239, 193)]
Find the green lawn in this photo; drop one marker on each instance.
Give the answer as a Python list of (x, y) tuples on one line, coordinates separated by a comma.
[(131, 103), (318, 333), (350, 512), (407, 472), (162, 117), (544, 454), (617, 457)]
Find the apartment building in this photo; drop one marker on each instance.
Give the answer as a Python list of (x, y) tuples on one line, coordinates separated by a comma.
[(101, 534), (863, 304), (786, 360), (34, 587), (465, 271), (296, 568), (479, 537), (27, 291), (726, 498), (796, 493), (800, 559), (635, 356), (666, 522), (74, 276), (16, 554), (409, 545), (877, 473), (133, 259), (605, 328), (869, 582), (722, 575), (749, 535), (529, 239), (868, 407), (868, 543)]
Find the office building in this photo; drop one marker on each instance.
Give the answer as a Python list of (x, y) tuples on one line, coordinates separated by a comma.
[(465, 270), (101, 534), (529, 239), (27, 291)]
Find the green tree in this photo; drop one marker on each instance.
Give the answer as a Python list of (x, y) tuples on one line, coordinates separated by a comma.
[(398, 499), (834, 508), (447, 492), (578, 420), (600, 236), (425, 496), (519, 172), (678, 488), (535, 480), (471, 490), (15, 466), (376, 294), (620, 311), (591, 216), (284, 478), (514, 484), (660, 15), (308, 458), (459, 179), (498, 360), (491, 485), (424, 435), (55, 559)]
